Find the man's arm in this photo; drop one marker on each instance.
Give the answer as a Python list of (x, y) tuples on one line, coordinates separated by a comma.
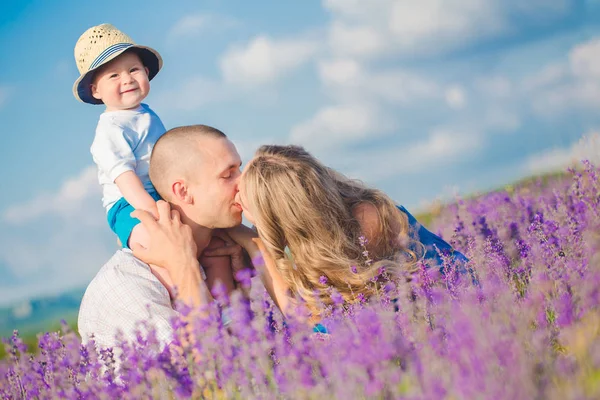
[(172, 246)]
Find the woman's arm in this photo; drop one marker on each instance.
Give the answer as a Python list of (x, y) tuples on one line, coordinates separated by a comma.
[(264, 264), (272, 279)]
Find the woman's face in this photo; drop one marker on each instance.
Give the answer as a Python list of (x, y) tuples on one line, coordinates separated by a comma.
[(242, 199)]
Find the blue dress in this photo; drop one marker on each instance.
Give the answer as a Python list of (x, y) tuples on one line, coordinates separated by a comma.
[(432, 241)]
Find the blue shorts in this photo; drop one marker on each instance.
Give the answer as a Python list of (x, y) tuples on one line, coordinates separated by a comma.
[(121, 222)]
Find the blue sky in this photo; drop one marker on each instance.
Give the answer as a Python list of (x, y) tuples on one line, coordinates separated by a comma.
[(424, 100)]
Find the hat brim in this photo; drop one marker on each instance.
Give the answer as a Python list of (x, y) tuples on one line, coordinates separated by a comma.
[(150, 58)]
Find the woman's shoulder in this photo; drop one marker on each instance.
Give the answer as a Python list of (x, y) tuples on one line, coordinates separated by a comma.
[(367, 216)]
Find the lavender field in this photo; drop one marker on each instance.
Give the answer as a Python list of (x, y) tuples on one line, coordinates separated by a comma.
[(523, 324)]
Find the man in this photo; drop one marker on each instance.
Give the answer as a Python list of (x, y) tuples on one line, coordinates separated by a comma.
[(196, 169)]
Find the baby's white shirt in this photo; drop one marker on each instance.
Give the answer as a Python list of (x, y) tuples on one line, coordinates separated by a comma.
[(123, 142)]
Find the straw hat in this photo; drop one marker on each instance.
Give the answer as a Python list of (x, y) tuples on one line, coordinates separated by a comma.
[(101, 44)]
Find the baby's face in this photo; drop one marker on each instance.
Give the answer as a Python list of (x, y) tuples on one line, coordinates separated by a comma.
[(123, 83)]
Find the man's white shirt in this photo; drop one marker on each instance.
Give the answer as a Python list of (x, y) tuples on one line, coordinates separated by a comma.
[(123, 293)]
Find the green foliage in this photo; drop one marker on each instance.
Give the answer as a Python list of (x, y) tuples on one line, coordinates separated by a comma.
[(31, 339)]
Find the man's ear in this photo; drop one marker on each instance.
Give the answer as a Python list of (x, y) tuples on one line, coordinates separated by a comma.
[(147, 71), (181, 192)]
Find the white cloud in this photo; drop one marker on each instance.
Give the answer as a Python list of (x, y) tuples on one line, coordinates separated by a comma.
[(264, 60), (494, 86), (356, 40), (456, 97), (399, 86), (442, 147), (571, 84), (547, 76), (247, 145), (587, 148), (443, 22), (584, 60), (68, 202), (347, 80), (196, 24), (381, 28), (367, 102), (57, 240), (67, 257), (341, 124), (561, 98), (498, 119), (194, 93), (342, 72)]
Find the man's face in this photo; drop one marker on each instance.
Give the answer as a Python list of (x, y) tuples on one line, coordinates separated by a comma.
[(214, 185)]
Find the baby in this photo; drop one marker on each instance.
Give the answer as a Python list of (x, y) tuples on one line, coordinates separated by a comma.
[(117, 72)]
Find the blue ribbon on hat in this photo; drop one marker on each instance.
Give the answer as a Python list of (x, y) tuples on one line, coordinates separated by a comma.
[(108, 52)]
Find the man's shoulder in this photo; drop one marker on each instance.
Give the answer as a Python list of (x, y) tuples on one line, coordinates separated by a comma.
[(123, 274), (123, 292), (122, 265)]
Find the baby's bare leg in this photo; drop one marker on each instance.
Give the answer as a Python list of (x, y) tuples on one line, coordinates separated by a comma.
[(218, 268), (139, 235)]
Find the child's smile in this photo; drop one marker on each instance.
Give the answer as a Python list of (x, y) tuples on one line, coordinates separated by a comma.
[(122, 84)]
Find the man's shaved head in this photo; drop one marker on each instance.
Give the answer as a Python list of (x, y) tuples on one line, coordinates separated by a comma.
[(176, 152)]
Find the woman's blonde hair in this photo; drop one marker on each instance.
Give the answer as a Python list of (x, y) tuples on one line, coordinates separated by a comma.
[(299, 203)]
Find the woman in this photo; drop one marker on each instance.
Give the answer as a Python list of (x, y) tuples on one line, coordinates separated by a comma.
[(319, 229)]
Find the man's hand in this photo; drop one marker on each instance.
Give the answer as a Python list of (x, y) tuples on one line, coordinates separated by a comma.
[(171, 242), (172, 246)]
